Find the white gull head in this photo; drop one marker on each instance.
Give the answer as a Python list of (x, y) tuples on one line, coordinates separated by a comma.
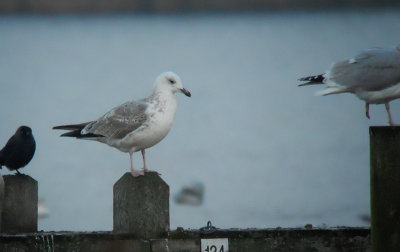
[(170, 81)]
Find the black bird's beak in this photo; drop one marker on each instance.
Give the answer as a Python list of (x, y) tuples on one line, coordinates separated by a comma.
[(186, 92)]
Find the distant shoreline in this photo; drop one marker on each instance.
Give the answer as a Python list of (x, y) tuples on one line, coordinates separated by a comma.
[(179, 6)]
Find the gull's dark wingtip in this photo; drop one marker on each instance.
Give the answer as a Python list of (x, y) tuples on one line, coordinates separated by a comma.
[(70, 134), (308, 83), (79, 126), (78, 134), (312, 80), (75, 130)]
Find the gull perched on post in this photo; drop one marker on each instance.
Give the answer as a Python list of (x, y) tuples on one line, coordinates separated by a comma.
[(373, 76), (135, 125)]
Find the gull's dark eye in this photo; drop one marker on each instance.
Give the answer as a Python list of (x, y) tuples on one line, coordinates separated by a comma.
[(171, 81)]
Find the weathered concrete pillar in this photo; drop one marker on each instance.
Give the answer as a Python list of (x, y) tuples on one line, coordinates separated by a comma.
[(385, 188), (20, 204), (141, 205)]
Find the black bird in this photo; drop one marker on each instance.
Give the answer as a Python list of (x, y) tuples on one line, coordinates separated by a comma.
[(19, 149)]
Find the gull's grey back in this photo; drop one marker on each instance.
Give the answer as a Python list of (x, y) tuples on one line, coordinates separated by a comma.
[(371, 70)]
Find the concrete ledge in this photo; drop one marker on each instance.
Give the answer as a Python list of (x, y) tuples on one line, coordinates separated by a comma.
[(333, 239)]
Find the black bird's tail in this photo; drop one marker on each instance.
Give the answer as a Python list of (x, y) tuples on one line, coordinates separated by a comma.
[(75, 130), (312, 80)]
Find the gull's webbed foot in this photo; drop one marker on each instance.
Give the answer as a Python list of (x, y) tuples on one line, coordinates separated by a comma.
[(136, 173)]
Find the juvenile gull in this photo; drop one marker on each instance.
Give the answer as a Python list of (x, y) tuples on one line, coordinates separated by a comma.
[(135, 125), (373, 76), (19, 149)]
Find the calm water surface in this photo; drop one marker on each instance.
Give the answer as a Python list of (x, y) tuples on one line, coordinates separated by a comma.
[(269, 153)]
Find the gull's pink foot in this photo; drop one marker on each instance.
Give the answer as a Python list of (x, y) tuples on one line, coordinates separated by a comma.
[(391, 123), (387, 106), (147, 170), (137, 173)]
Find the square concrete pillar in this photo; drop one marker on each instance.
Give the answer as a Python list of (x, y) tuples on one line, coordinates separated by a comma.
[(385, 188), (20, 204), (141, 205)]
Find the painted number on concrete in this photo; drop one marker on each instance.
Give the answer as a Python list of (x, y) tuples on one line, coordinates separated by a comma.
[(214, 245)]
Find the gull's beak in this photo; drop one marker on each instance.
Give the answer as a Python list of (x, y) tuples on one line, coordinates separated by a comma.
[(186, 92)]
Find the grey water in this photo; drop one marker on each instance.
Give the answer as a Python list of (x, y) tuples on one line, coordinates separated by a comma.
[(268, 152)]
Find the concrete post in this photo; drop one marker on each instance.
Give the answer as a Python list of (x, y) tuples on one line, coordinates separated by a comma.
[(20, 204), (385, 188), (141, 205)]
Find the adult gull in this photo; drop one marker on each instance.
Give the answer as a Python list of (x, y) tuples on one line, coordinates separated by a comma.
[(373, 76), (135, 125)]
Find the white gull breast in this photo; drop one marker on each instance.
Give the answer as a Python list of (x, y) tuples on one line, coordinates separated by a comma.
[(160, 113)]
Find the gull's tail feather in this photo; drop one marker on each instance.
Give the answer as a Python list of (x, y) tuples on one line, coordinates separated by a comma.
[(312, 80), (331, 90), (75, 131), (79, 126)]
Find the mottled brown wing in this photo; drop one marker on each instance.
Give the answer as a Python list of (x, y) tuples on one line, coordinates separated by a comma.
[(120, 121)]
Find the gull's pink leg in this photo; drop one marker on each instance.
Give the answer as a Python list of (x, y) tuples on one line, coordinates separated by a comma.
[(390, 116), (134, 173), (130, 156), (144, 161), (144, 164), (367, 110)]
